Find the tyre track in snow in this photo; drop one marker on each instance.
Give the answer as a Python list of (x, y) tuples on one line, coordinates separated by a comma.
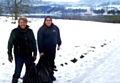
[(106, 70)]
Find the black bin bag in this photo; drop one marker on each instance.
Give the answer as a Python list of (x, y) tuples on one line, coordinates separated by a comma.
[(44, 71), (32, 75)]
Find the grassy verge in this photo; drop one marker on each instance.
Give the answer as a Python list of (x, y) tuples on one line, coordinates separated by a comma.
[(100, 18)]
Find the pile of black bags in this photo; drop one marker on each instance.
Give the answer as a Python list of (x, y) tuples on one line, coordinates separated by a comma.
[(40, 73)]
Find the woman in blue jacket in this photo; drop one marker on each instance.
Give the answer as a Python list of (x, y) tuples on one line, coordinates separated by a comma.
[(48, 39)]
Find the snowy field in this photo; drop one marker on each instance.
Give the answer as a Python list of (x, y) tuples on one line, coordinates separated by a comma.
[(98, 43)]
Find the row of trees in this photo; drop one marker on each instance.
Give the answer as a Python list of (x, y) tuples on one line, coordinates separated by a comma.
[(99, 11), (113, 12), (102, 11)]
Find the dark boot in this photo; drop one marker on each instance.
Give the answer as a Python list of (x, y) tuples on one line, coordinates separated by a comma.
[(54, 78), (14, 80)]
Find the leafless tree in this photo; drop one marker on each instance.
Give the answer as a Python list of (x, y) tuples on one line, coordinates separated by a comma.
[(18, 7)]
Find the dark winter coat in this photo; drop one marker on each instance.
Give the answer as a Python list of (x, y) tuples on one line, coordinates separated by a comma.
[(48, 39), (23, 41)]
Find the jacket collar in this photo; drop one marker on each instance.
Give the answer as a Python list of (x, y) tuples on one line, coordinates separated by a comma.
[(23, 30)]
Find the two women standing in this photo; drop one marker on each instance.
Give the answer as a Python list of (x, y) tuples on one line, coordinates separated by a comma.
[(23, 40)]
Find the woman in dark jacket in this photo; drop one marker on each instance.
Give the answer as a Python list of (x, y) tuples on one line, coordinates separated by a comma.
[(23, 40), (48, 38)]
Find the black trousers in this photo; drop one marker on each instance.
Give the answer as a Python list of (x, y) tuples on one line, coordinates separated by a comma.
[(49, 55)]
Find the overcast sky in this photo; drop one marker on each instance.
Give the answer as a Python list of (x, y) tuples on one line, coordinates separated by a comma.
[(62, 0)]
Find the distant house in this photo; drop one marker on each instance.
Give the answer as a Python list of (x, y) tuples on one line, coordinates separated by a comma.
[(78, 7)]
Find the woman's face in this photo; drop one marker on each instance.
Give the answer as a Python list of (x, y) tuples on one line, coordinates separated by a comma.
[(22, 24), (48, 21)]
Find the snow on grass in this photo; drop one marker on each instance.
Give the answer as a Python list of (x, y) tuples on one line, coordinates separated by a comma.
[(85, 43)]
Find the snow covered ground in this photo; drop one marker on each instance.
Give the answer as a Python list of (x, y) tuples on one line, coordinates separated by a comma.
[(99, 43)]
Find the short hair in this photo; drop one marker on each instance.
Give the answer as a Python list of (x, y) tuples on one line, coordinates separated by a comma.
[(22, 18)]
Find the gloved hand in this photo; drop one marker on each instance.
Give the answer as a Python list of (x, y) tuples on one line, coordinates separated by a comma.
[(34, 58), (10, 58)]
